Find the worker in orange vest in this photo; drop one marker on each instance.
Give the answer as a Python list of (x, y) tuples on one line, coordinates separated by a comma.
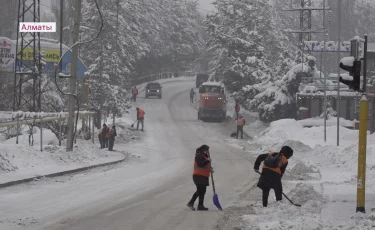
[(201, 174), (140, 117), (274, 166), (240, 124), (135, 93), (237, 108)]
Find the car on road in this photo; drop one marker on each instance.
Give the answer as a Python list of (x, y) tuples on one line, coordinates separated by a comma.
[(153, 89)]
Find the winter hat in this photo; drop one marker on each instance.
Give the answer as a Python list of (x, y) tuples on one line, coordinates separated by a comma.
[(137, 108), (204, 148), (287, 151)]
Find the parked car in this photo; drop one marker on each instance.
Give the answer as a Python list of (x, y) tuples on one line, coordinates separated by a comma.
[(153, 89)]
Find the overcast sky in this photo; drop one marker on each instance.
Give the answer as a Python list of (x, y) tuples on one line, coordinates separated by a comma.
[(206, 5)]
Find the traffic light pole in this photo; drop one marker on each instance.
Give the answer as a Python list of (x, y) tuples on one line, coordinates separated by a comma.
[(365, 65), (362, 140)]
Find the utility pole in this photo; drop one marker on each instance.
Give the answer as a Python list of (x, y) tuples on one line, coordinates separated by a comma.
[(338, 71), (117, 32), (322, 56), (73, 78), (61, 29)]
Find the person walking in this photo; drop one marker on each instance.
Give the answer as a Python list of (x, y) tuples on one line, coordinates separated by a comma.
[(192, 94), (274, 166), (237, 108), (140, 117), (201, 174), (112, 135), (105, 135), (135, 93), (240, 124), (100, 139)]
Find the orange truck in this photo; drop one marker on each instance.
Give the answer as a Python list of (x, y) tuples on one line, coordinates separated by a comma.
[(213, 103)]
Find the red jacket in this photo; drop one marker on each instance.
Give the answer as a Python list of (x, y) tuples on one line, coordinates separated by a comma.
[(237, 107)]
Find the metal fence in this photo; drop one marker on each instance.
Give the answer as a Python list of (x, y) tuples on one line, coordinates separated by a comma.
[(12, 124), (153, 77)]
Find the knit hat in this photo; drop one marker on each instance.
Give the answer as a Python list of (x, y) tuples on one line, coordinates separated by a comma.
[(203, 148), (287, 151)]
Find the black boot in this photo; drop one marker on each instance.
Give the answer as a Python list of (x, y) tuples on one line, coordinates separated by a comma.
[(191, 205), (202, 208)]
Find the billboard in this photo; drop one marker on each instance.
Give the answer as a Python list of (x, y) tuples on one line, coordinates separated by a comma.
[(7, 54), (50, 52), (330, 46)]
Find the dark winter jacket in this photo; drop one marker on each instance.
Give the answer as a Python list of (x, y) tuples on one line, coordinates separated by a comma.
[(105, 130), (192, 93), (268, 178), (201, 162), (112, 134)]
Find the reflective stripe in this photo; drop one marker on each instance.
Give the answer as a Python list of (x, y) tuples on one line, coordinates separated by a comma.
[(283, 161), (202, 169), (205, 171)]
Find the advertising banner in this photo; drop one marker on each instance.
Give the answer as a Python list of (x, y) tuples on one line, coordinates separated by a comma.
[(7, 54)]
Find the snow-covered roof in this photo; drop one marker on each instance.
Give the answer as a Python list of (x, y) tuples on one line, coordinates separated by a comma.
[(212, 83)]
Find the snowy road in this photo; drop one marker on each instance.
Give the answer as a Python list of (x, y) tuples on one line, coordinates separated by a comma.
[(146, 195)]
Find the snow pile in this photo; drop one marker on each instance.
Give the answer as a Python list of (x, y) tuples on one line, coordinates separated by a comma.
[(24, 161), (301, 172), (329, 173), (283, 215), (292, 130), (303, 194), (5, 164)]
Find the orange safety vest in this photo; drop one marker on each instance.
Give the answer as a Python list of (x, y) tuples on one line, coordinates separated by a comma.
[(135, 91), (141, 113), (283, 161), (205, 171), (241, 122)]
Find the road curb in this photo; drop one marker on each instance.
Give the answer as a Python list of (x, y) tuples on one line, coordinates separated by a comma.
[(17, 182)]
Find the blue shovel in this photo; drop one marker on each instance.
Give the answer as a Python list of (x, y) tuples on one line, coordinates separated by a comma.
[(215, 198)]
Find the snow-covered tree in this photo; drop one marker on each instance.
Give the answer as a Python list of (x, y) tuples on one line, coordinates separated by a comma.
[(252, 55)]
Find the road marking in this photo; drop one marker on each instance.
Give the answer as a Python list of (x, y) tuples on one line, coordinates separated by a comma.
[(113, 212), (180, 186), (122, 209), (161, 194)]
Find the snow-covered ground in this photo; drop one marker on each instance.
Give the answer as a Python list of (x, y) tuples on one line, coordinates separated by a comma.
[(320, 176), (22, 161), (332, 121)]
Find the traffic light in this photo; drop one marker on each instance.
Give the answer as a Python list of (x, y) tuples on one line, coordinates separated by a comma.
[(354, 69)]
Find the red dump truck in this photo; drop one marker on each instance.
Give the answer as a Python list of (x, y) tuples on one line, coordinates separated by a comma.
[(213, 103)]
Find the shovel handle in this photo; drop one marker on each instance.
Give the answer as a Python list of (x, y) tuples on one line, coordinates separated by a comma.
[(212, 176)]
